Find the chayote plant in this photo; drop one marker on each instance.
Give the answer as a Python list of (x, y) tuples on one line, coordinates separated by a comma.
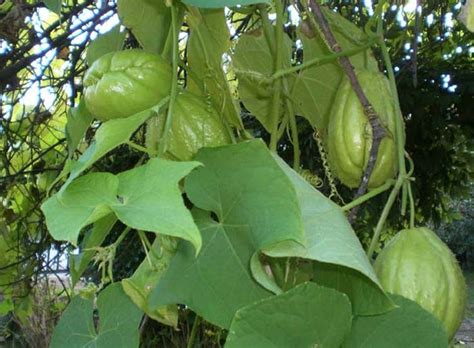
[(120, 84)]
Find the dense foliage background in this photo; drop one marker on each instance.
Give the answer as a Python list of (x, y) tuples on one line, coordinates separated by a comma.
[(43, 56)]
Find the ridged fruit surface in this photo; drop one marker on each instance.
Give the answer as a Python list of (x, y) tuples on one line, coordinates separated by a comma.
[(120, 84), (349, 137), (195, 124), (418, 265)]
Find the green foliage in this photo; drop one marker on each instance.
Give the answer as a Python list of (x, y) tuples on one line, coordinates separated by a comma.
[(266, 324), (149, 21), (118, 322), (409, 326), (235, 240), (145, 198)]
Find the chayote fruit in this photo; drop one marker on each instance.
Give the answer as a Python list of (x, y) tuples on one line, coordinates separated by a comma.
[(120, 84), (416, 264), (349, 136), (195, 124)]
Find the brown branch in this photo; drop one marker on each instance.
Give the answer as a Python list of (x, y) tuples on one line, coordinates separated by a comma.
[(378, 131), (11, 70)]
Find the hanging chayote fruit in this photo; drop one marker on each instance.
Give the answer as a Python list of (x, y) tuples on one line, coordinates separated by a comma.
[(418, 265), (349, 136), (120, 84)]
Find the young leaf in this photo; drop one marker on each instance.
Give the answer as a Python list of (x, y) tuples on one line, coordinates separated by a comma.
[(222, 3), (407, 326), (253, 57), (145, 198), (149, 21), (208, 41), (118, 322), (145, 278), (105, 43), (78, 120), (306, 316)]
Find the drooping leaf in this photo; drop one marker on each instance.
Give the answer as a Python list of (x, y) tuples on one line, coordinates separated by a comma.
[(95, 237), (255, 206), (208, 41), (149, 21), (222, 3), (145, 198), (109, 135), (407, 326), (330, 240), (145, 278), (315, 87), (253, 59), (109, 42), (78, 120), (306, 316), (119, 319)]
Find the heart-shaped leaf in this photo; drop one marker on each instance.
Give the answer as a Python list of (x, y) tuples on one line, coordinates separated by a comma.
[(118, 322), (306, 316)]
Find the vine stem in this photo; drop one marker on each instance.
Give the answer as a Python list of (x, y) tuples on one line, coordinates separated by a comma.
[(320, 60), (192, 337), (378, 131), (294, 137), (174, 86), (276, 97), (369, 195), (305, 65), (402, 175)]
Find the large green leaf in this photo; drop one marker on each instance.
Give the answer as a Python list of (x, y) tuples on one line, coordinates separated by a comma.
[(208, 41), (145, 198), (408, 326), (149, 21), (306, 316), (315, 87), (222, 3), (330, 240), (253, 59), (256, 207), (94, 238), (261, 206), (109, 42), (118, 324), (145, 278)]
